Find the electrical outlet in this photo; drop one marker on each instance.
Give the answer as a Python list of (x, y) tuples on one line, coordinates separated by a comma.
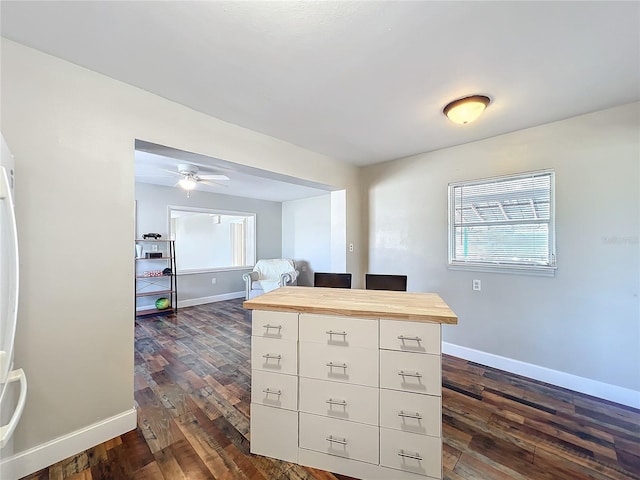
[(351, 247), (477, 285), (214, 281)]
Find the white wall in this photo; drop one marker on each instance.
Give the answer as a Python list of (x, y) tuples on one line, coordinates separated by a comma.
[(339, 246), (152, 216), (73, 133), (584, 322), (201, 234), (306, 234)]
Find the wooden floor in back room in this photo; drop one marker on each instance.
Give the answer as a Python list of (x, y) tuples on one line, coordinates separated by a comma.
[(192, 392)]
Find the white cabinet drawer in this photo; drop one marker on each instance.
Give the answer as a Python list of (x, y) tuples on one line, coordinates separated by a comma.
[(339, 437), (410, 372), (274, 324), (274, 355), (274, 389), (339, 400), (340, 331), (339, 364), (274, 432), (411, 412), (411, 452), (418, 337)]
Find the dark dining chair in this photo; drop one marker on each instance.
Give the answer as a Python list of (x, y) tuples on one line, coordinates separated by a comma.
[(375, 281), (332, 280)]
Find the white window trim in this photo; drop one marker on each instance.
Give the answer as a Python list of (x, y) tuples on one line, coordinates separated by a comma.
[(499, 267), (252, 238), (195, 271)]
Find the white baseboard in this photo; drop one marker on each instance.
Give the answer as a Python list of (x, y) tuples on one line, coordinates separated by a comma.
[(606, 391), (25, 463), (214, 298)]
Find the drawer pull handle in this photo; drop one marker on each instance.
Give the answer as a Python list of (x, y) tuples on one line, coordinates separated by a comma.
[(332, 439), (268, 356), (415, 456), (342, 403), (403, 373), (415, 339), (337, 365), (268, 326), (404, 414), (333, 332), (275, 392)]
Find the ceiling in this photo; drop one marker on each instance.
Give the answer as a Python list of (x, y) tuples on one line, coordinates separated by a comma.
[(158, 165), (363, 82)]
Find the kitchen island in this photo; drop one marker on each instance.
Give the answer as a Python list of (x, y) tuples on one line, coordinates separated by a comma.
[(349, 380)]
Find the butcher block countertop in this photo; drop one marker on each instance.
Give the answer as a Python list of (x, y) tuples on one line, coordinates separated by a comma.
[(417, 307)]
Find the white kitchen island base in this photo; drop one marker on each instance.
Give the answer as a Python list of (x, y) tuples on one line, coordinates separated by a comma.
[(349, 381)]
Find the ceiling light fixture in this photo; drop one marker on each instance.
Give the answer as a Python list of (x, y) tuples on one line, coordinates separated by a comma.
[(187, 183), (466, 110)]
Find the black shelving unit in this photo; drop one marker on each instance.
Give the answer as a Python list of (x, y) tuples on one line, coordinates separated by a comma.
[(154, 256)]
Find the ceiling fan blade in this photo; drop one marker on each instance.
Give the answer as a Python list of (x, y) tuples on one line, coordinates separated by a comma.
[(213, 177), (216, 184), (172, 172)]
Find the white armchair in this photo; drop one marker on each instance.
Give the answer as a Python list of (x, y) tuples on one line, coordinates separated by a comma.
[(268, 275)]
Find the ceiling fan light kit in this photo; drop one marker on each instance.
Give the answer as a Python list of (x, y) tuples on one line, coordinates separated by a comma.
[(190, 178), (188, 183), (466, 110)]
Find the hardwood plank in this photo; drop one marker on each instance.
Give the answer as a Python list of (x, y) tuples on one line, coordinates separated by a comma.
[(55, 472), (168, 465), (208, 449), (151, 471), (172, 397), (189, 461), (575, 436), (449, 475), (628, 446), (267, 467), (136, 451), (450, 456), (628, 461), (570, 467), (154, 422), (110, 469), (455, 438), (83, 475), (472, 468), (200, 402)]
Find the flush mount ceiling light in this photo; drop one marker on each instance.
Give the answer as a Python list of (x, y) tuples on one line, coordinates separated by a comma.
[(467, 109)]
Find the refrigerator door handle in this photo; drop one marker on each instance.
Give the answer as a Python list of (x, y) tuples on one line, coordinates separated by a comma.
[(6, 357), (7, 430)]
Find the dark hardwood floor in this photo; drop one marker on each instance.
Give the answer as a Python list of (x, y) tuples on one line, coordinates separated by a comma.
[(192, 388)]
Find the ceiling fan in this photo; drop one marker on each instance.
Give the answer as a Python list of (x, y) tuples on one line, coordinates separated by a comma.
[(190, 177)]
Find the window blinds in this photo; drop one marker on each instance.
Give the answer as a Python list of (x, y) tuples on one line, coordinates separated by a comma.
[(503, 221)]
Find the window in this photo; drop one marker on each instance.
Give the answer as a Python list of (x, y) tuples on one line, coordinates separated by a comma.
[(212, 239), (503, 224)]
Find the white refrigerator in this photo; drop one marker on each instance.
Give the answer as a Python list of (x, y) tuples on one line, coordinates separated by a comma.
[(13, 383)]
